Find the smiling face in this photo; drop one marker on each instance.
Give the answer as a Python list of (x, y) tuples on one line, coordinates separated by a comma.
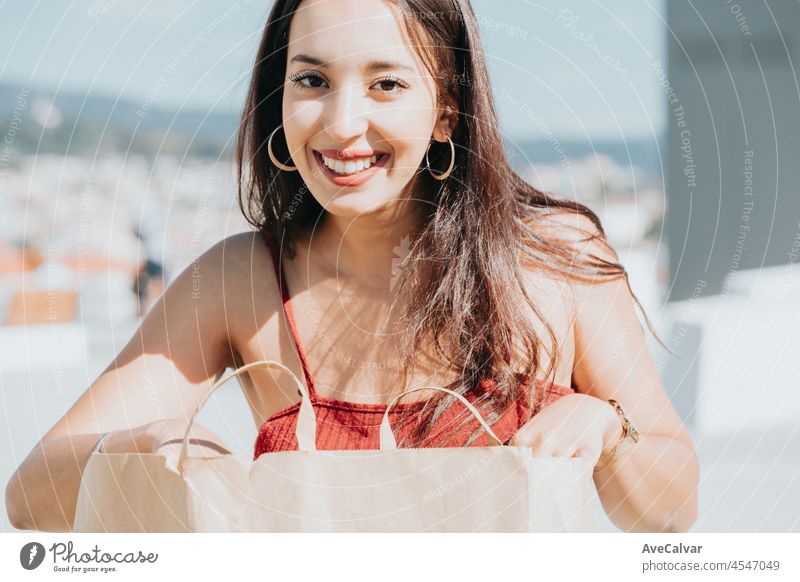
[(359, 107)]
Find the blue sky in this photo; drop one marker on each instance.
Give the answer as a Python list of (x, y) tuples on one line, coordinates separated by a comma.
[(581, 70)]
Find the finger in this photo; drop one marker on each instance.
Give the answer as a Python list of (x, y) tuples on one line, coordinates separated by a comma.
[(528, 438), (545, 445), (587, 452), (524, 437)]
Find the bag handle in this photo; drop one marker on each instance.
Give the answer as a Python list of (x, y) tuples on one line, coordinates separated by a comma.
[(306, 421), (389, 443)]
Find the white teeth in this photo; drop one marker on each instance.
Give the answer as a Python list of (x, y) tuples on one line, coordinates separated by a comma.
[(350, 166)]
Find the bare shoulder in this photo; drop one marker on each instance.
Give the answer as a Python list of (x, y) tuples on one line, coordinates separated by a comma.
[(581, 238), (225, 271), (585, 240), (231, 287), (242, 246), (584, 235), (243, 250), (243, 267), (549, 285), (206, 302), (604, 308)]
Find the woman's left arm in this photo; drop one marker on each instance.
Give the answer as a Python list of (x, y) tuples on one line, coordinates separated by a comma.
[(653, 486)]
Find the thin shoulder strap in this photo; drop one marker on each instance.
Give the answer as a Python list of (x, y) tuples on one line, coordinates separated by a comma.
[(287, 308)]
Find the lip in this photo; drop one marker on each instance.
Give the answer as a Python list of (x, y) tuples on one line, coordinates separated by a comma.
[(353, 179), (351, 153)]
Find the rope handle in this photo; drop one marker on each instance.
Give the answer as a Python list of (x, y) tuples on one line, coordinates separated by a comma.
[(387, 440), (306, 421), (305, 437)]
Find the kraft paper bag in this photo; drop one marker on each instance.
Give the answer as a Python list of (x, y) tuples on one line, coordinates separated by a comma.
[(497, 488)]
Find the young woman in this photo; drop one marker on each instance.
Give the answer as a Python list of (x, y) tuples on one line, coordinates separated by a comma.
[(394, 248)]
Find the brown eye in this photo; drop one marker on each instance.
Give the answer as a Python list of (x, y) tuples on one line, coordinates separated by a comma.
[(312, 78), (390, 85)]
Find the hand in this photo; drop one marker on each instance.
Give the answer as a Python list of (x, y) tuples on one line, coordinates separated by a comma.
[(575, 425), (164, 437)]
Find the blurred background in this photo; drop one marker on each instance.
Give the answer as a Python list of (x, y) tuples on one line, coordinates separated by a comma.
[(678, 123)]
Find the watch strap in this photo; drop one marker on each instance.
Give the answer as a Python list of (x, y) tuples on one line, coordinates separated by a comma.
[(627, 439)]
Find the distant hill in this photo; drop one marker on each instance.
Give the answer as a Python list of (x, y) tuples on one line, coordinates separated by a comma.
[(100, 124), (642, 153), (93, 125)]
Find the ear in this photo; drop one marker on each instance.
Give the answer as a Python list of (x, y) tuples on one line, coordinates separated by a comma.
[(445, 123)]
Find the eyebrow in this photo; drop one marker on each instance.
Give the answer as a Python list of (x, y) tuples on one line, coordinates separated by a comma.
[(372, 66)]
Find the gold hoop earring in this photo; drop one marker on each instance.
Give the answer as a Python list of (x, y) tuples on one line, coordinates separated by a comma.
[(449, 168), (272, 157)]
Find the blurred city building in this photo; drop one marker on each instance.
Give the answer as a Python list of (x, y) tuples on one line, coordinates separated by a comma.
[(733, 97)]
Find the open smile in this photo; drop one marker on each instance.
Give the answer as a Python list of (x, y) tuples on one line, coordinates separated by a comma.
[(351, 171)]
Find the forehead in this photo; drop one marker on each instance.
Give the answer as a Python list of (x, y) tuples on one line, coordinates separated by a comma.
[(346, 32)]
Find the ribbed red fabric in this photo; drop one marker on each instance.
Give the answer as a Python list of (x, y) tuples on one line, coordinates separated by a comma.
[(343, 425)]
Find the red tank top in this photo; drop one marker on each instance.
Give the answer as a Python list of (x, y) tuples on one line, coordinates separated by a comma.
[(343, 425)]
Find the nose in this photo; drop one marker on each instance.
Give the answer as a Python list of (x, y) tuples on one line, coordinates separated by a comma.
[(345, 113)]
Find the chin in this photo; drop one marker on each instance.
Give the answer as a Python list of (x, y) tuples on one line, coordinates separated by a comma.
[(354, 203)]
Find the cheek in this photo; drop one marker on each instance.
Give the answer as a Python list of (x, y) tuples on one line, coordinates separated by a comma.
[(408, 134), (411, 123), (299, 124)]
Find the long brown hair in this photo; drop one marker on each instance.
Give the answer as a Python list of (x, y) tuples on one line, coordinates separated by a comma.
[(462, 282)]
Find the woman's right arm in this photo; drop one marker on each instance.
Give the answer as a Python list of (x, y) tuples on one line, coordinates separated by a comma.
[(180, 349)]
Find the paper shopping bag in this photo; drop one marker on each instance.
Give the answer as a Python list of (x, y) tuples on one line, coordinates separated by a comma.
[(497, 488)]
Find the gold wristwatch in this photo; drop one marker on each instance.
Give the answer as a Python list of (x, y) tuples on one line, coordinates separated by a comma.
[(628, 438)]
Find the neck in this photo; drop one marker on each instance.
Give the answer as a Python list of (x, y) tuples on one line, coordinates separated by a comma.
[(365, 250)]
